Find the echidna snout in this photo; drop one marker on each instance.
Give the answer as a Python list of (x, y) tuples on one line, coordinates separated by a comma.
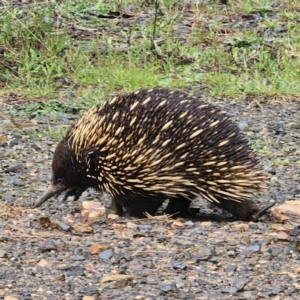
[(154, 145)]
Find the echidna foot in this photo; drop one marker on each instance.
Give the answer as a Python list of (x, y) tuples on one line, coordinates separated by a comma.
[(262, 212)]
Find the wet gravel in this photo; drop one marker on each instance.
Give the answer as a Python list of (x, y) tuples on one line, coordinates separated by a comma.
[(49, 252)]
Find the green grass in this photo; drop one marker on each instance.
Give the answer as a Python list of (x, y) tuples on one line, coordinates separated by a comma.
[(66, 55), (53, 132)]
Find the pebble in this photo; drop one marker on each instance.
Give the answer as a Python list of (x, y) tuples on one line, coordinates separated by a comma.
[(63, 226), (248, 251), (294, 231), (77, 257), (177, 224), (17, 182), (3, 253), (171, 287), (178, 265), (107, 254), (204, 253)]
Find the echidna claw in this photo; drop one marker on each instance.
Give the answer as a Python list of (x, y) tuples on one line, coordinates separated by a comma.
[(76, 192), (262, 211)]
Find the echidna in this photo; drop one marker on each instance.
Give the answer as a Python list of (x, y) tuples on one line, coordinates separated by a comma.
[(154, 145)]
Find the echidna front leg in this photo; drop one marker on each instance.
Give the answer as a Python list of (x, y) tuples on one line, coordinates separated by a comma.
[(76, 192), (179, 207), (137, 205), (115, 208)]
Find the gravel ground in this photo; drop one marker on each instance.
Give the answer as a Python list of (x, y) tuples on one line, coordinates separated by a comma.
[(52, 252)]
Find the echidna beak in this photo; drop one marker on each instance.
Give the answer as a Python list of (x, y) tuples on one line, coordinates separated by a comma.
[(50, 192)]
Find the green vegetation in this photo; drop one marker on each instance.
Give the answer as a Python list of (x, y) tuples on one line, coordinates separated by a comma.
[(73, 54), (283, 162)]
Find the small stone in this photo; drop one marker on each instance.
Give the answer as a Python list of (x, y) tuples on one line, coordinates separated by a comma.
[(161, 238), (15, 141), (115, 280), (93, 210), (189, 223), (240, 227), (14, 169), (121, 255), (3, 253), (145, 227), (177, 224), (131, 225), (294, 231), (275, 290), (77, 257), (240, 283), (48, 245), (206, 224), (3, 138), (88, 298), (107, 254), (204, 254), (17, 182), (251, 249), (262, 261), (63, 226), (9, 199), (60, 277), (40, 145), (282, 227), (82, 228), (136, 268), (280, 29), (249, 295), (30, 261), (218, 18), (43, 263), (231, 290), (230, 268), (231, 253), (276, 252), (185, 242), (283, 236), (96, 248), (171, 287), (178, 265), (112, 217)]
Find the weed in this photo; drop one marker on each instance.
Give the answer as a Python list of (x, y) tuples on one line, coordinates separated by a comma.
[(49, 108), (88, 50), (56, 133), (282, 162)]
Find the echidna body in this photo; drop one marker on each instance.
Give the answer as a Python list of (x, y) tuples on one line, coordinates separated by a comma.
[(152, 145)]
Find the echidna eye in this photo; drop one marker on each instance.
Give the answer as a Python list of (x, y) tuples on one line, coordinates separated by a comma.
[(59, 181)]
